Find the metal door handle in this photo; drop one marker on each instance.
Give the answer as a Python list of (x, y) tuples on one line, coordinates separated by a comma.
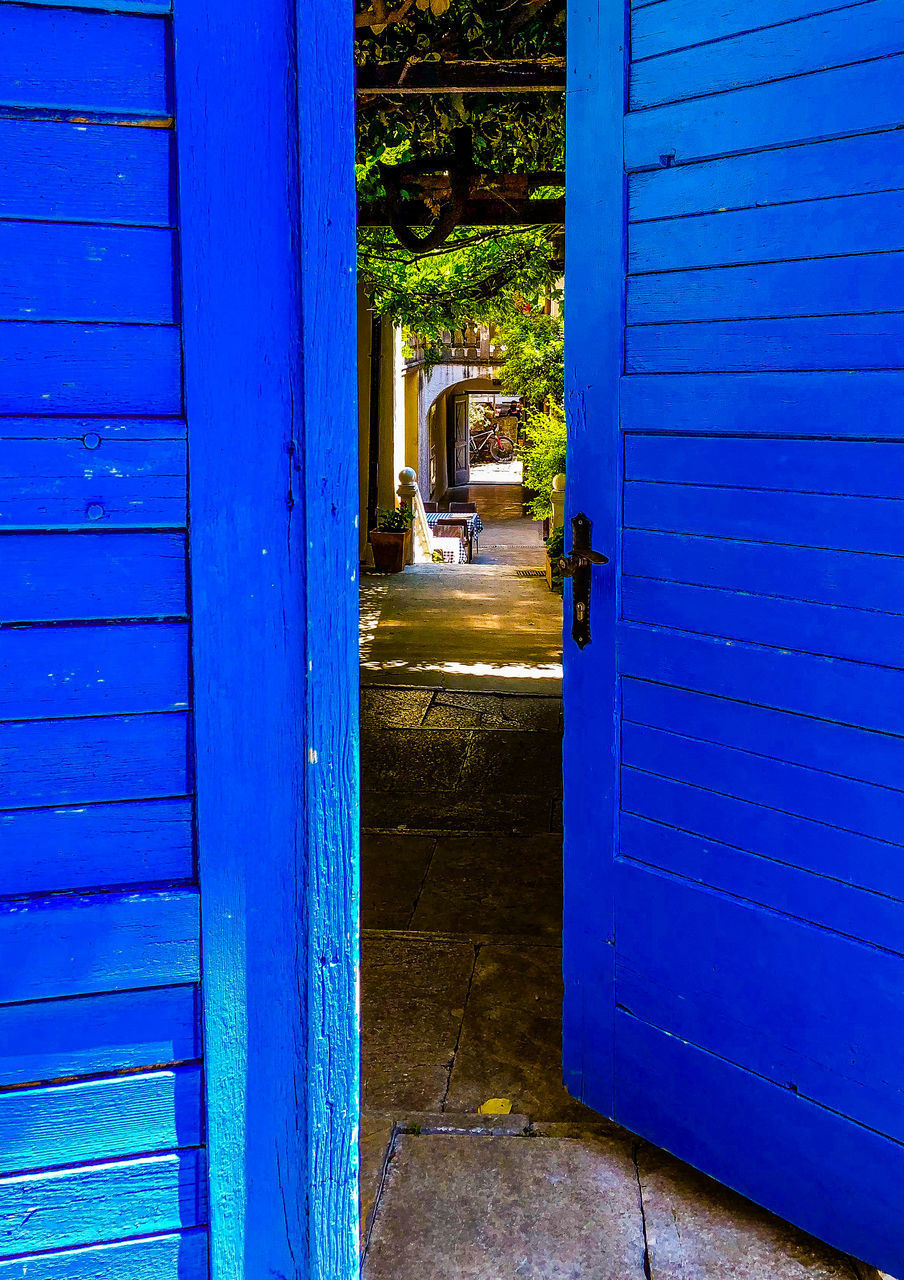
[(578, 566)]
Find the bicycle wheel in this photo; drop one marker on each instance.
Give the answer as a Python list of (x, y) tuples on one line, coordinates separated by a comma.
[(501, 449)]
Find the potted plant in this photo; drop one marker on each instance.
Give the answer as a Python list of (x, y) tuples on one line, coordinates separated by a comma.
[(391, 540), (555, 549)]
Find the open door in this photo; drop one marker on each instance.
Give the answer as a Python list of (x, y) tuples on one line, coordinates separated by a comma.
[(733, 765), (461, 442)]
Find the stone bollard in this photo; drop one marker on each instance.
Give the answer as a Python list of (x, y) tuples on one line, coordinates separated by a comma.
[(557, 502), (407, 492)]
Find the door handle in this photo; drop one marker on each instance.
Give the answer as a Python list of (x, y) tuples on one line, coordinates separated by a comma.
[(577, 566)]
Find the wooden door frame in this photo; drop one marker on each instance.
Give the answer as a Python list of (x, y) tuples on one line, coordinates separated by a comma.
[(265, 137)]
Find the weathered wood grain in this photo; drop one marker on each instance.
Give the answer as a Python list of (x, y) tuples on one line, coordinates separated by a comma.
[(92, 481), (99, 368), (95, 846), (168, 1257), (869, 697), (660, 915), (68, 946), (843, 856), (813, 287), (868, 223), (90, 1035), (805, 108), (63, 271), (54, 57), (99, 1119), (865, 404), (658, 28), (50, 672), (68, 1207), (844, 35), (823, 170), (268, 237), (74, 430), (48, 577), (815, 898), (98, 758), (657, 1070), (60, 171)]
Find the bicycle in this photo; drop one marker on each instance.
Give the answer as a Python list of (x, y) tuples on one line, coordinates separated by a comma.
[(491, 442)]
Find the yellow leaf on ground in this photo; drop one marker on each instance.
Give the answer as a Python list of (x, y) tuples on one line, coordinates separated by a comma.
[(496, 1107)]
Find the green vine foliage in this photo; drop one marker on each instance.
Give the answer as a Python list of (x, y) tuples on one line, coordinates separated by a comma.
[(481, 275), (543, 454), (534, 358)]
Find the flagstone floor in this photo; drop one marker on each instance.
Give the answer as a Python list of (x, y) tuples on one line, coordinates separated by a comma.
[(461, 1005)]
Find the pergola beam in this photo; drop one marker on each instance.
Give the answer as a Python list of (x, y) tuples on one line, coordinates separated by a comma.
[(501, 212), (517, 75)]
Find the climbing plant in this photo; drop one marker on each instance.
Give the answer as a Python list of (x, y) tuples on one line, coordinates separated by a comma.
[(480, 275)]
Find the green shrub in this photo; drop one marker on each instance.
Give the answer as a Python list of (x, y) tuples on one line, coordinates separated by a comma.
[(394, 519), (543, 455)]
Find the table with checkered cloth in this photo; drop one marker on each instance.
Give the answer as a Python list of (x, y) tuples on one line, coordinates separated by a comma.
[(474, 527)]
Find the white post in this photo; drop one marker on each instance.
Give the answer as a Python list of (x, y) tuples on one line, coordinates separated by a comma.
[(408, 497), (557, 501)]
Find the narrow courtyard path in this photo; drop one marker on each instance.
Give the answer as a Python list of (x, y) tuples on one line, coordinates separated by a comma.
[(461, 1004)]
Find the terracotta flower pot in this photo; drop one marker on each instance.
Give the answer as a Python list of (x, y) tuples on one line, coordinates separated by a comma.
[(389, 550)]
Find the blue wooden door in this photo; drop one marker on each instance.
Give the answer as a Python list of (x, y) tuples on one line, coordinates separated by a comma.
[(178, 1069), (734, 761)]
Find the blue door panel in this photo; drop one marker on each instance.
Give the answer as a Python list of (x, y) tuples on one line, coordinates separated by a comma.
[(103, 1167), (735, 894)]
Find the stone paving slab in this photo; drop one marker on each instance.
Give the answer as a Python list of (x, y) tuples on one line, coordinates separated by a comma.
[(493, 884), (453, 709), (392, 874), (698, 1230), (402, 760), (506, 1208), (413, 995), (510, 1044), (447, 811), (374, 1138), (519, 762), (394, 708)]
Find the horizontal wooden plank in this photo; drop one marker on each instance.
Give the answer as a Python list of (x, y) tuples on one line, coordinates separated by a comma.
[(52, 576), (798, 573), (723, 956), (830, 904), (856, 634), (111, 6), (84, 61), (92, 482), (677, 24), (835, 38), (741, 1128), (59, 171), (100, 1119), (864, 405), (98, 1202), (808, 793), (169, 1257), (89, 1035), (824, 104), (65, 271), (71, 762), (822, 170), (817, 744), (846, 856), (801, 519), (49, 672), (74, 430), (805, 229), (875, 469), (71, 946), (846, 692), (820, 287), (100, 368), (813, 342), (96, 846)]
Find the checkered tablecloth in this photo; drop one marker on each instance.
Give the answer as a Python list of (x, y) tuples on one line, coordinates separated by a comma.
[(475, 526)]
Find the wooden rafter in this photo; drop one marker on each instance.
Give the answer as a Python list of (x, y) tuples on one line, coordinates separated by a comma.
[(517, 75), (493, 212)]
